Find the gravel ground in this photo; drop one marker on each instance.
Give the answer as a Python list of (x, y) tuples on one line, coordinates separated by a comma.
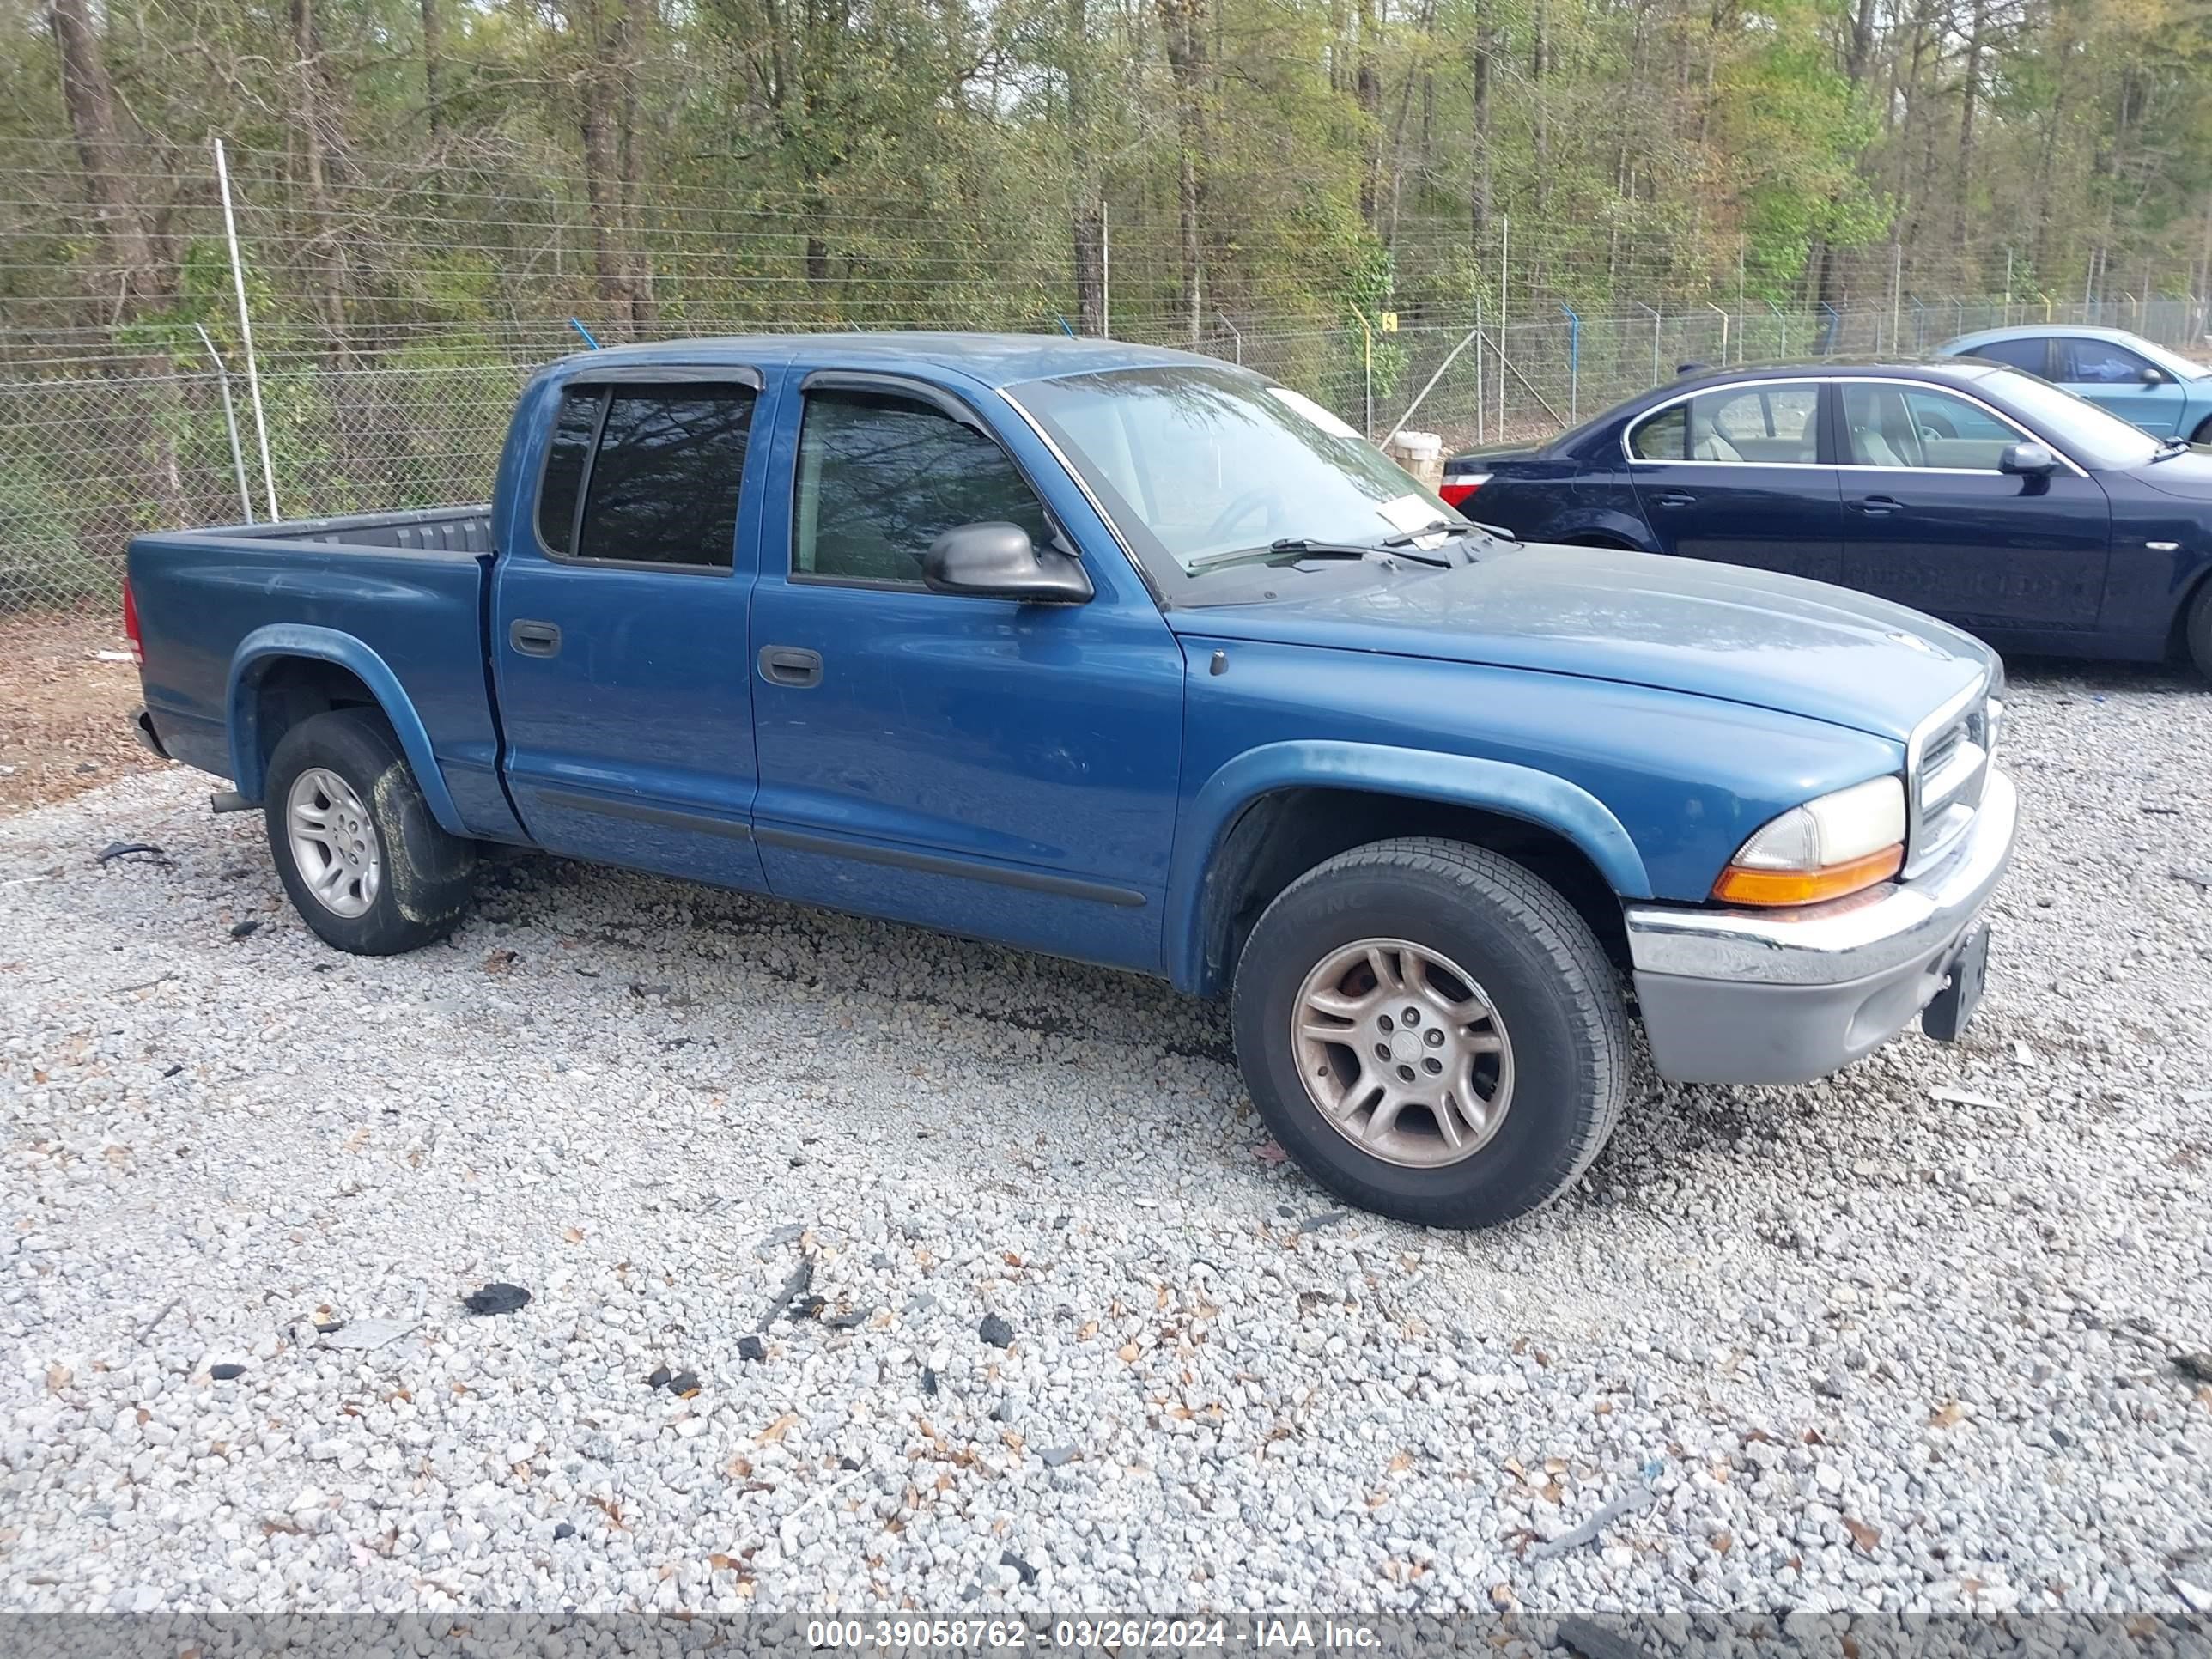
[(993, 1295)]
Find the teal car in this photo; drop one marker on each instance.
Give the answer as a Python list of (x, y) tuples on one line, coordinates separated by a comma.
[(2155, 388)]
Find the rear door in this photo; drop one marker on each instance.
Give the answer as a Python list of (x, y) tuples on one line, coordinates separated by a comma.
[(1935, 524), (619, 625), (2112, 377), (1737, 474)]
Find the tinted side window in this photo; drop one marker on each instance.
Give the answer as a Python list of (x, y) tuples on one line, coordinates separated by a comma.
[(2098, 362), (2033, 356), (564, 466), (880, 477), (664, 485), (1663, 437)]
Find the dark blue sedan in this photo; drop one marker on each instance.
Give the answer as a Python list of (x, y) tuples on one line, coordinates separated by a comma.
[(1981, 494)]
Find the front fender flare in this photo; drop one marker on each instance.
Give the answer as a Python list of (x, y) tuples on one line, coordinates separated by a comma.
[(1521, 791), (259, 651)]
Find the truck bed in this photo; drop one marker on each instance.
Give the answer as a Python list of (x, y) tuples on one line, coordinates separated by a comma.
[(312, 610)]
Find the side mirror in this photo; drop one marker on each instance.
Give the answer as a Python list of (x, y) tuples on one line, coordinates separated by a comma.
[(995, 561), (2152, 376), (2029, 460)]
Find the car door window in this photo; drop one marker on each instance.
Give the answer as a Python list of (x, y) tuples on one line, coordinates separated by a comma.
[(880, 476), (1918, 427), (2100, 362), (1771, 422), (647, 475), (2032, 355)]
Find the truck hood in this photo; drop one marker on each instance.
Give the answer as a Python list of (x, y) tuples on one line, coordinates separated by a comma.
[(1716, 631)]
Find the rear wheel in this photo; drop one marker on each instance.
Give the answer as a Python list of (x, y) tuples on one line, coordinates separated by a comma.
[(367, 866), (1432, 1032)]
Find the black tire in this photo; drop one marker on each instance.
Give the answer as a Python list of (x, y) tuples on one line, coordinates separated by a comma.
[(423, 881), (2197, 632), (1556, 996)]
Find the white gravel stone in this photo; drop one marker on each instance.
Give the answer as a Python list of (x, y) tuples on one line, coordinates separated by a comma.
[(1868, 1345)]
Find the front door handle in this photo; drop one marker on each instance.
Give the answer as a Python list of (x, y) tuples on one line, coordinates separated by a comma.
[(790, 664), (534, 639), (1676, 498), (1875, 506)]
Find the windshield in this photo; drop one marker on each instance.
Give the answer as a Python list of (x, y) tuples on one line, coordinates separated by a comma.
[(2089, 434), (2171, 361), (1198, 465)]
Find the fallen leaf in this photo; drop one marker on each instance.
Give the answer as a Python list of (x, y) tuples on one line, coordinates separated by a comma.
[(1011, 1260), (58, 1376), (782, 1425), (1128, 1353), (736, 1468), (1401, 1462), (1267, 1151), (1090, 1330), (1722, 1543), (499, 961), (1945, 1415), (1864, 1536)]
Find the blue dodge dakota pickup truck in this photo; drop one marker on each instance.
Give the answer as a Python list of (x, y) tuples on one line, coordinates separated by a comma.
[(1138, 659)]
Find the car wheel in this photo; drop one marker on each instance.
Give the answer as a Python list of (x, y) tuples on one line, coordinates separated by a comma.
[(1432, 1032), (367, 866), (2198, 630)]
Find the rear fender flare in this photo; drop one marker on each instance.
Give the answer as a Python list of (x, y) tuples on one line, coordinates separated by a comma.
[(265, 647), (1500, 787)]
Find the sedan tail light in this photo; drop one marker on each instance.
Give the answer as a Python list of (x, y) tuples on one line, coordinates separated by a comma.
[(1457, 491)]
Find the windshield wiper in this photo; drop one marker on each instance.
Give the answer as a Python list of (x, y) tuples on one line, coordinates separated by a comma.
[(1290, 548), (1449, 527), (2172, 447)]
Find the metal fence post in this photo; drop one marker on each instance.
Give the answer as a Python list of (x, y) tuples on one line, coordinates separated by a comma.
[(1222, 319), (1574, 363), (230, 421), (1832, 331), (245, 329), (1656, 323), (1710, 305)]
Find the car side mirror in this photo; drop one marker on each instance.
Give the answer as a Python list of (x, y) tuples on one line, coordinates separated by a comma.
[(996, 561), (2029, 460), (2152, 376)]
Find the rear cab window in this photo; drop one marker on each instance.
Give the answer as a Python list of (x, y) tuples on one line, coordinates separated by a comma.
[(639, 473)]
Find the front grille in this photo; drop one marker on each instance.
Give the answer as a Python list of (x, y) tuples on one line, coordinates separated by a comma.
[(1949, 767)]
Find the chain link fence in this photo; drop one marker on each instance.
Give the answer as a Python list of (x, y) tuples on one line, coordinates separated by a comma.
[(98, 444)]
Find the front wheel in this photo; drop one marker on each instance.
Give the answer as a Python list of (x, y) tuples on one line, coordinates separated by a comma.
[(2198, 628), (368, 867), (1432, 1032)]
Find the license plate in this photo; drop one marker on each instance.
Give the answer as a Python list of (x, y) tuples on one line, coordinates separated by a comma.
[(1946, 1015)]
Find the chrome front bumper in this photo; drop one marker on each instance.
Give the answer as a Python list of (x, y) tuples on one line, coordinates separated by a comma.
[(1783, 996)]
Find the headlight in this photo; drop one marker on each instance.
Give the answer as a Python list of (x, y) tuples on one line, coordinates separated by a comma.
[(1823, 849)]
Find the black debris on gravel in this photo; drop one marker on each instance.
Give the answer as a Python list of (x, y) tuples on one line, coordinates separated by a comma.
[(564, 1530), (225, 1373), (752, 1347), (245, 929), (659, 1377), (118, 849), (996, 1332), (496, 1298), (928, 1380), (683, 1384), (1023, 1570)]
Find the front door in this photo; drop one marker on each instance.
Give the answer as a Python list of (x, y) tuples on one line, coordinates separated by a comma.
[(1936, 524), (2112, 377), (1736, 475), (618, 633), (975, 765)]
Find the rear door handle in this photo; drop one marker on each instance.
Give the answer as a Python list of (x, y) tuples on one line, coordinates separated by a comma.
[(1876, 506), (534, 639), (1675, 498), (790, 664)]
